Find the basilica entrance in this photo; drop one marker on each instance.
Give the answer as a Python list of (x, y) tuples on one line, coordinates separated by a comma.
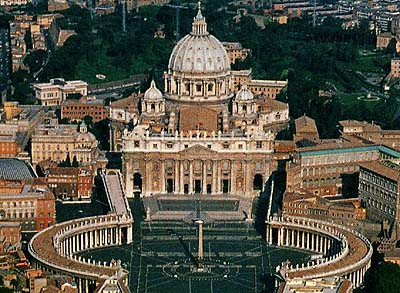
[(225, 186), (170, 185), (137, 181), (197, 186), (208, 188)]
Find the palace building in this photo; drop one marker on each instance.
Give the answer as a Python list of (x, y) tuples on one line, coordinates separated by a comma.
[(208, 133)]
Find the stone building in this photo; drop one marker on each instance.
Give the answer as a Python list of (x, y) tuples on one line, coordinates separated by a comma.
[(57, 90), (204, 134), (31, 204), (379, 189), (306, 129), (70, 182), (331, 168), (306, 204), (56, 141), (236, 51), (353, 130), (76, 110), (122, 113), (395, 67), (383, 40), (12, 233)]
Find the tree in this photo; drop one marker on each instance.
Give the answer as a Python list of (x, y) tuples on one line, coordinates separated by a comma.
[(14, 283), (75, 162), (35, 60), (88, 120), (385, 277)]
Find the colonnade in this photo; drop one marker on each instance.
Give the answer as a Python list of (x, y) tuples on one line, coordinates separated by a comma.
[(344, 252), (303, 239), (92, 239), (70, 238)]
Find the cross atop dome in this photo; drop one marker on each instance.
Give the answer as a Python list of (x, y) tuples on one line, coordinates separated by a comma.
[(199, 25)]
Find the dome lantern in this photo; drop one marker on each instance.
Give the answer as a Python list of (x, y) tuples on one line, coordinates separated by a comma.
[(199, 25)]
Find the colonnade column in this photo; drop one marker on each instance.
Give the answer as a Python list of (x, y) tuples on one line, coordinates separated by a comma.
[(292, 242), (313, 242)]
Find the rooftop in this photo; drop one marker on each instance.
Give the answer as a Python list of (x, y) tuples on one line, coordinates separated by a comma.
[(14, 169), (388, 169)]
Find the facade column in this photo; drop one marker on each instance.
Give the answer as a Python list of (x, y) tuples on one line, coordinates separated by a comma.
[(176, 180), (181, 189), (298, 239), (219, 178), (191, 177), (302, 239), (214, 177), (204, 181), (308, 240), (146, 187), (163, 176), (232, 177)]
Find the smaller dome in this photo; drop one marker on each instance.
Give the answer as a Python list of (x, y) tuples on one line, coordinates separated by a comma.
[(85, 137), (244, 94), (153, 93)]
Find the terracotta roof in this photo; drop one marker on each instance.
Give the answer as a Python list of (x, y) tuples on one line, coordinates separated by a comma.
[(64, 171), (305, 124), (381, 169), (268, 105), (298, 195), (197, 117), (366, 126), (130, 102), (332, 145)]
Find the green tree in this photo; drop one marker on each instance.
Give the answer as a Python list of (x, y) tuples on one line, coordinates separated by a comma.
[(88, 121), (14, 283), (75, 162), (35, 60), (384, 278)]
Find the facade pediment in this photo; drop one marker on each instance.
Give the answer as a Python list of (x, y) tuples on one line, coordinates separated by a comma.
[(198, 150)]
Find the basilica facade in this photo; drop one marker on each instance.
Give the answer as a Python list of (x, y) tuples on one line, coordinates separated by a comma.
[(211, 131)]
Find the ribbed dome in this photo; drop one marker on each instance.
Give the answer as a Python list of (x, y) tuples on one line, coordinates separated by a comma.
[(244, 94), (153, 93), (199, 52)]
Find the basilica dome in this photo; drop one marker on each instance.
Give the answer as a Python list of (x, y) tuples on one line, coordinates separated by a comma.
[(199, 68), (199, 52)]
